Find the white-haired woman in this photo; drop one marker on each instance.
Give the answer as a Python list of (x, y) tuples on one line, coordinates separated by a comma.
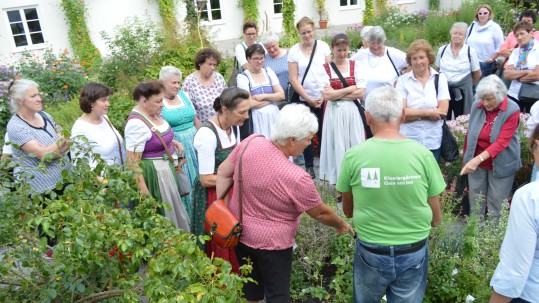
[(37, 135), (459, 63), (275, 193), (492, 148), (180, 113), (276, 57), (382, 64)]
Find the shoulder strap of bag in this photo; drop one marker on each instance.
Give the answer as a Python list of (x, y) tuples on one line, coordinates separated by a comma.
[(117, 139), (366, 127), (391, 60), (471, 28), (310, 61), (152, 128), (436, 78), (240, 180), (443, 51)]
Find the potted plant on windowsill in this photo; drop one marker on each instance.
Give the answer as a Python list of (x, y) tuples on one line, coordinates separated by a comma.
[(322, 13)]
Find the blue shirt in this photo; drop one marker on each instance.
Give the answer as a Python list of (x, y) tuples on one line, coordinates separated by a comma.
[(517, 274)]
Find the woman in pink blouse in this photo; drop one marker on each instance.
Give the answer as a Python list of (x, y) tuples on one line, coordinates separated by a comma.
[(275, 193)]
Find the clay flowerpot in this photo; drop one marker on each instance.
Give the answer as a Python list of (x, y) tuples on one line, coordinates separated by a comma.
[(323, 24)]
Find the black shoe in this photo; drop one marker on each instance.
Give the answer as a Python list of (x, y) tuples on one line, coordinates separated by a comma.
[(310, 170)]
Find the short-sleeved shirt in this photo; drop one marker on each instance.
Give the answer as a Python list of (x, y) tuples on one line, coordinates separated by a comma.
[(103, 140), (531, 62), (455, 69), (426, 132), (391, 181), (205, 143), (137, 133), (316, 77), (379, 70), (280, 67), (203, 96), (275, 193), (20, 133), (517, 274)]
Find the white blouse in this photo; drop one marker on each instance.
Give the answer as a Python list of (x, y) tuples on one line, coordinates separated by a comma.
[(137, 133), (205, 144), (103, 141)]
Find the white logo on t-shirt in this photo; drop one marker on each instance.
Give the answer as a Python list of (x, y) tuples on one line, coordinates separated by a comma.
[(370, 177)]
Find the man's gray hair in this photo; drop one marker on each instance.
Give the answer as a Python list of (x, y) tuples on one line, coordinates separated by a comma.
[(294, 121), (491, 85), (458, 25), (376, 34), (17, 90), (268, 37), (169, 71), (384, 104)]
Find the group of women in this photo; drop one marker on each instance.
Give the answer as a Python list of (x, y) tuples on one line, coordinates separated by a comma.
[(197, 126)]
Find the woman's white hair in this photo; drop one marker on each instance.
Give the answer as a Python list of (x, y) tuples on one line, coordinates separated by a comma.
[(384, 104), (458, 25), (491, 85), (376, 34), (365, 31), (17, 90), (268, 37), (294, 121), (169, 71)]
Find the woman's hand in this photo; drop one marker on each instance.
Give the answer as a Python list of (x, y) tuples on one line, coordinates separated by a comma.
[(345, 228), (63, 144), (434, 114), (178, 147), (258, 98), (471, 166), (327, 92)]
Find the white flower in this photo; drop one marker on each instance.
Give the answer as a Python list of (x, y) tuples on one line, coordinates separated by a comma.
[(454, 272), (469, 299)]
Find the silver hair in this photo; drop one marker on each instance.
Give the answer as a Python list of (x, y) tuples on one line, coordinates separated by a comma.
[(491, 85), (268, 37), (17, 90), (376, 34), (365, 31), (169, 71), (458, 25), (294, 121), (384, 104)]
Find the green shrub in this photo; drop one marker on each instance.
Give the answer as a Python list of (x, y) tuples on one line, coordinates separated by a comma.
[(103, 250), (131, 48), (59, 76), (7, 74)]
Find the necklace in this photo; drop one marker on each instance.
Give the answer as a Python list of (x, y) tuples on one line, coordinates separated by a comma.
[(377, 61), (227, 131), (252, 72), (170, 98)]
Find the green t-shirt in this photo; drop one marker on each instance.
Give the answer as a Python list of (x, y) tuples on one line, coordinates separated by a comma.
[(391, 182)]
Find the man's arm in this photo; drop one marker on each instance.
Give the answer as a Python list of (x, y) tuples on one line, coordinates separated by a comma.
[(434, 203), (348, 204)]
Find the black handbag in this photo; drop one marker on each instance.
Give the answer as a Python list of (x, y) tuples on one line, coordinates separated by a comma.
[(291, 96), (529, 92), (450, 148)]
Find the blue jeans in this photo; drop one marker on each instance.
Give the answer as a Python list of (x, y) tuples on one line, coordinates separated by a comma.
[(402, 278), (486, 68)]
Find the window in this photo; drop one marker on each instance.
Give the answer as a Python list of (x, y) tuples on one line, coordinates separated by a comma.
[(211, 11), (349, 2), (25, 26), (277, 6)]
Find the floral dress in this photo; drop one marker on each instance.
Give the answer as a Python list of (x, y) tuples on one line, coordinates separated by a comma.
[(204, 196), (181, 119), (203, 96)]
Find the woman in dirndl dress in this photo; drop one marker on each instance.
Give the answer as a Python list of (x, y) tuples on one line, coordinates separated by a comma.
[(180, 113), (343, 126), (265, 90), (214, 141), (145, 150)]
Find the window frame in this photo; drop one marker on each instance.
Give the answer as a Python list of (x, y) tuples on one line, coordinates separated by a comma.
[(208, 9), (277, 2), (30, 44), (350, 6)]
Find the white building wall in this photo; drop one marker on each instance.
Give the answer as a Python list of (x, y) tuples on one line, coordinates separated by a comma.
[(52, 22)]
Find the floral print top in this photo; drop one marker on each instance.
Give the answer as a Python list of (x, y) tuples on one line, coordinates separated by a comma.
[(203, 96)]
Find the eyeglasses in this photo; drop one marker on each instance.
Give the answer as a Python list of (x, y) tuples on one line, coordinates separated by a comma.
[(250, 34), (257, 58), (483, 13)]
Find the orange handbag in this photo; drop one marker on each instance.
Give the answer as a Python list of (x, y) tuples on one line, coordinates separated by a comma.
[(220, 223)]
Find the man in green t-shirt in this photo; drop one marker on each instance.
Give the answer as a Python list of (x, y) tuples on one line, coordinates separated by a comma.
[(390, 186)]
